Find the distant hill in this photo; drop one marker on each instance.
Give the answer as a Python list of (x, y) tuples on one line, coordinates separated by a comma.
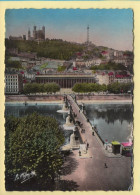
[(55, 49), (58, 49)]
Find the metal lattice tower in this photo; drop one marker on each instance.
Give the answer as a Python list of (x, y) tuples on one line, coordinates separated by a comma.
[(88, 34)]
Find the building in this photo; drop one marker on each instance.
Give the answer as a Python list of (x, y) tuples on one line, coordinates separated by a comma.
[(120, 60), (88, 63), (103, 78), (65, 80), (38, 35), (15, 38), (118, 53), (29, 75), (105, 54), (106, 77), (111, 77), (28, 55), (97, 61), (123, 78), (13, 83), (24, 37), (20, 38), (12, 51)]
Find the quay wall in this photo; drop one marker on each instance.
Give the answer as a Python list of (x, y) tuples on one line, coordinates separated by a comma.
[(23, 98), (82, 97), (104, 97)]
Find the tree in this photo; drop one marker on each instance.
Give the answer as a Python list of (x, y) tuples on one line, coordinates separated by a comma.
[(34, 144), (114, 88), (13, 64), (51, 87), (78, 87), (41, 88), (120, 87), (109, 66), (103, 87), (95, 87), (27, 88), (61, 68), (55, 87)]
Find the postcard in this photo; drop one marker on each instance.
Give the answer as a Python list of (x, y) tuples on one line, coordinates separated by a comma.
[(69, 80)]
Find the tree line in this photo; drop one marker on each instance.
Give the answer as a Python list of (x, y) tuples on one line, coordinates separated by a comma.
[(13, 64), (109, 66), (55, 49), (41, 88), (111, 88), (32, 143)]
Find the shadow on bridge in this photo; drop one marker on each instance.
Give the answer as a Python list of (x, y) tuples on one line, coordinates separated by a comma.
[(68, 185), (70, 165)]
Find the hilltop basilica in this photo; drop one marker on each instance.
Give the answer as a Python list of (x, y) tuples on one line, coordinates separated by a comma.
[(38, 35)]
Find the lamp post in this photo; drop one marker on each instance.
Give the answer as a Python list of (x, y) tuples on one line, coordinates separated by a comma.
[(57, 180)]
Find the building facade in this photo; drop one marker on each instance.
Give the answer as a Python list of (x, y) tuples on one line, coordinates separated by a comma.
[(123, 78), (20, 38), (103, 78), (65, 80), (13, 83)]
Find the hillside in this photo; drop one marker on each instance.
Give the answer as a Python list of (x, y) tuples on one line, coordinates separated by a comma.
[(55, 49)]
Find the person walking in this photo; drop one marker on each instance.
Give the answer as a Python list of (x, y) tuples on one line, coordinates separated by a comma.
[(79, 153), (105, 165), (87, 145)]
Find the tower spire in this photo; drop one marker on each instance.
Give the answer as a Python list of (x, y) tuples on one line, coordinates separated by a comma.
[(88, 34), (29, 34)]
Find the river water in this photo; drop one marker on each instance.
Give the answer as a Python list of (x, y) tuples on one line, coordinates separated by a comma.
[(113, 121)]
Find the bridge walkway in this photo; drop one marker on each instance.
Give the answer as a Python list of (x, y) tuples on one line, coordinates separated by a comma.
[(87, 137), (89, 173)]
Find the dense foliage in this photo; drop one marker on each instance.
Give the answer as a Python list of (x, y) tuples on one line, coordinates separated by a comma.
[(41, 88), (109, 66), (120, 87), (88, 87), (94, 87), (55, 48), (13, 64), (61, 68), (33, 144)]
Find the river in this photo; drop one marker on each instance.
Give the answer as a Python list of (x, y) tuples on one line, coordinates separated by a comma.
[(113, 121)]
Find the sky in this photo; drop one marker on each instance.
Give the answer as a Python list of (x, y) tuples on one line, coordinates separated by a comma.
[(108, 27)]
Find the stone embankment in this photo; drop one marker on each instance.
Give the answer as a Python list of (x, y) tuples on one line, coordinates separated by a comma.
[(81, 97)]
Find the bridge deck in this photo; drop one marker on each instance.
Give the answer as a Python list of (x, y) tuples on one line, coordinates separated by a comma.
[(87, 174), (87, 136)]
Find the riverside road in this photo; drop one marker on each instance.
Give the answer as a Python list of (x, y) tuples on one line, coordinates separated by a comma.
[(88, 173)]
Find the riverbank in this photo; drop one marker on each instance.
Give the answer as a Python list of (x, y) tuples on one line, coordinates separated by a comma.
[(59, 98)]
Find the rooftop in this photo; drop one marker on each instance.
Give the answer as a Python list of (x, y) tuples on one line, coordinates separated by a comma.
[(65, 75), (122, 76)]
